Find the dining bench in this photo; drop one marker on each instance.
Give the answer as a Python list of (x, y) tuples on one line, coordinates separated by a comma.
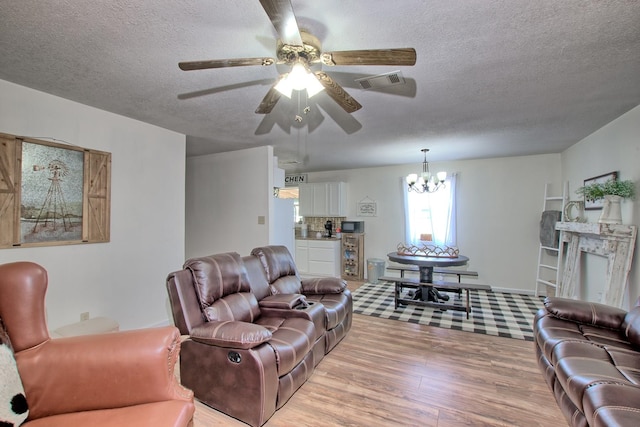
[(414, 282), (444, 271)]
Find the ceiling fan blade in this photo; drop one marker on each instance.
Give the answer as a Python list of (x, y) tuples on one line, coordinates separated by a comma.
[(401, 56), (281, 14), (222, 63), (337, 93), (269, 101)]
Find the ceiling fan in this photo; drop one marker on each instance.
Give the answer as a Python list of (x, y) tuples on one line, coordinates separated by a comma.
[(299, 49)]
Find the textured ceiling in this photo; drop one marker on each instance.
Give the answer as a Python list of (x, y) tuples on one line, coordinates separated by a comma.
[(493, 77)]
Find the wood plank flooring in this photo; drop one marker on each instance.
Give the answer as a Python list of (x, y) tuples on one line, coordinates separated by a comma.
[(390, 373)]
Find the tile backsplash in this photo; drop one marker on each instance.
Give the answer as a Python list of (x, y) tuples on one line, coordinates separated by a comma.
[(317, 223)]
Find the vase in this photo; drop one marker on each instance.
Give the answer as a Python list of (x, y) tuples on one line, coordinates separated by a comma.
[(611, 211)]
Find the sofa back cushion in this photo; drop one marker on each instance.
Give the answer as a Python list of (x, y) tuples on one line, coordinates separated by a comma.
[(257, 277), (223, 276), (281, 271), (631, 326), (242, 307)]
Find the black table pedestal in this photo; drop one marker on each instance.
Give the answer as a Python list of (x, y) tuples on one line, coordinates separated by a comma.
[(425, 264), (428, 293)]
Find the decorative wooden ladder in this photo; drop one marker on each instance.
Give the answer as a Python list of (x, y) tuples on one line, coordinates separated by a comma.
[(549, 272)]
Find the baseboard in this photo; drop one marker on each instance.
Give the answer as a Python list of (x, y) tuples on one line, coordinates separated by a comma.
[(161, 323), (514, 291)]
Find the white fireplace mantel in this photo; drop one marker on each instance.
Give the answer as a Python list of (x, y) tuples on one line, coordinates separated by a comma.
[(616, 242)]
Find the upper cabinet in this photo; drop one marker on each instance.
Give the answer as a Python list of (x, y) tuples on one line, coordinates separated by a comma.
[(323, 199)]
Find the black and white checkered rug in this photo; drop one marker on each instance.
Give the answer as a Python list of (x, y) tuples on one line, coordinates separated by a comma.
[(492, 313)]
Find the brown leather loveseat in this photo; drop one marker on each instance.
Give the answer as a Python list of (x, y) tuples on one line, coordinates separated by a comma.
[(252, 342), (283, 278), (590, 356)]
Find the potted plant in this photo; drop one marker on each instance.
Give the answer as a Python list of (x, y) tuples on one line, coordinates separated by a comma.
[(613, 192)]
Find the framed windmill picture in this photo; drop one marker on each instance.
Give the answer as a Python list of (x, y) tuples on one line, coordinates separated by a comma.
[(52, 194)]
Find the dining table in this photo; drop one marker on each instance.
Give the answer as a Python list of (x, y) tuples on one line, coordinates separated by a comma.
[(425, 266)]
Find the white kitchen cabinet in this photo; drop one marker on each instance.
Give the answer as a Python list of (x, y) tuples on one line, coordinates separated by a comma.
[(302, 255), (337, 199), (305, 199), (323, 199), (318, 257), (320, 201)]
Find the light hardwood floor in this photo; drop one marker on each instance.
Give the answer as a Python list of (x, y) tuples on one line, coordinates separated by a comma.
[(391, 373)]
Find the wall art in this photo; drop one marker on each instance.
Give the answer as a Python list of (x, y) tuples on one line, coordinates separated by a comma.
[(598, 204), (367, 207), (52, 194)]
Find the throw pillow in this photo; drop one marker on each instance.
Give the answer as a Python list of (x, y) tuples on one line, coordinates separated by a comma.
[(13, 403)]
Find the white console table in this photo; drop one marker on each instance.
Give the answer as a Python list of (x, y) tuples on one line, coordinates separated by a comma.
[(616, 242)]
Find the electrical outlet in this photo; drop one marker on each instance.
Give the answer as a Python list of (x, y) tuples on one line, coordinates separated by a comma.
[(84, 316)]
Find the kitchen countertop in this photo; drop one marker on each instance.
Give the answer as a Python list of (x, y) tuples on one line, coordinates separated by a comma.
[(315, 238)]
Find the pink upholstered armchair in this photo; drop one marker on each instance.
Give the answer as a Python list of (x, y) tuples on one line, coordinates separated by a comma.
[(115, 379)]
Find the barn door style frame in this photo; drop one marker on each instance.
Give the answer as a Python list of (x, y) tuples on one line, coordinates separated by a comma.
[(52, 194)]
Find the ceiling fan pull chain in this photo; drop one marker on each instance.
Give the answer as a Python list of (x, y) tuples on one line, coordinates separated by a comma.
[(298, 117)]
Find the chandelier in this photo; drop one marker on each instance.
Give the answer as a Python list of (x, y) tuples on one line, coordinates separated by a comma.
[(425, 182)]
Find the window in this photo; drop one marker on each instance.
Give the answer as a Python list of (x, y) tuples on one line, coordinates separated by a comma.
[(431, 216), (292, 193)]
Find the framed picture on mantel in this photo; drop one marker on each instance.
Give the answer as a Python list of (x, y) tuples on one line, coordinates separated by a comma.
[(591, 205)]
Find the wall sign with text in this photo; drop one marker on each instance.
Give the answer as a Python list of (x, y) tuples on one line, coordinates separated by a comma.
[(367, 207)]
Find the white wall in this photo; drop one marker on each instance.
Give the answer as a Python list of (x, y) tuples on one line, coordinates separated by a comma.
[(614, 147), (226, 193), (125, 278), (499, 206)]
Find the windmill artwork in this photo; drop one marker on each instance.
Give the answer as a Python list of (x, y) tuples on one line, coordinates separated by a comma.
[(52, 193)]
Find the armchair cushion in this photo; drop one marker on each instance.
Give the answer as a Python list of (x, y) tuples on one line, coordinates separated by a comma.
[(323, 285), (231, 334)]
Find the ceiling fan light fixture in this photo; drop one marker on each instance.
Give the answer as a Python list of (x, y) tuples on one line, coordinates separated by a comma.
[(313, 85), (300, 78), (284, 86)]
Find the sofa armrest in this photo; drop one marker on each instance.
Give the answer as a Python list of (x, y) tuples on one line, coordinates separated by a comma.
[(283, 301), (93, 372), (590, 313), (231, 334), (323, 285), (609, 403)]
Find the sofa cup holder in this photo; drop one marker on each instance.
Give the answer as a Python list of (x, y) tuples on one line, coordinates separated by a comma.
[(304, 306)]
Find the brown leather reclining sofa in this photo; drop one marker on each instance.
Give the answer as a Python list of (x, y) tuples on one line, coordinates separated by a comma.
[(256, 329), (590, 356)]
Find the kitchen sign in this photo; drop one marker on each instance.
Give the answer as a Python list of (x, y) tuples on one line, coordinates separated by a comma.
[(294, 180), (367, 207)]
